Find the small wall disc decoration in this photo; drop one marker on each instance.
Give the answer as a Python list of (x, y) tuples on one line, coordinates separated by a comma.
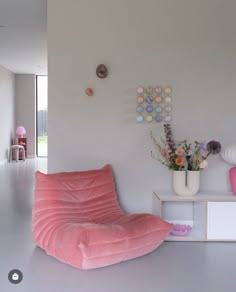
[(154, 103), (167, 118), (168, 108), (167, 90), (101, 71), (158, 89), (139, 109), (149, 99), (149, 89), (158, 109), (140, 99), (168, 99), (149, 118), (149, 108), (158, 99), (89, 91), (140, 90), (139, 119), (158, 118)]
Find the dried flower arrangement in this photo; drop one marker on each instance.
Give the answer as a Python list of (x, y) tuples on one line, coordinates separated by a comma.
[(183, 155)]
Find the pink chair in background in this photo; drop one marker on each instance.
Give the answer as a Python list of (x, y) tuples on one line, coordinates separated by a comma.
[(77, 219)]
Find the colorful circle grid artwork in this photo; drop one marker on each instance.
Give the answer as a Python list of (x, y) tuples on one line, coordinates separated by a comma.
[(154, 104)]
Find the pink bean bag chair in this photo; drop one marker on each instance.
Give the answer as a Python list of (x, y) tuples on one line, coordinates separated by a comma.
[(77, 219)]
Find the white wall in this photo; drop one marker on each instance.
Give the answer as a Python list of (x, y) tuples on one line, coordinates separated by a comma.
[(7, 111), (25, 108), (189, 45)]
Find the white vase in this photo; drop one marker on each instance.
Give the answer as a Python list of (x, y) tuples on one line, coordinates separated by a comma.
[(186, 183)]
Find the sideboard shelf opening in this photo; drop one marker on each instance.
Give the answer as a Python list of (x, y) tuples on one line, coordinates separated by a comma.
[(212, 215)]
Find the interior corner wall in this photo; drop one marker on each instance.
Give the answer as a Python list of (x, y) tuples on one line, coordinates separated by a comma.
[(7, 111), (25, 91), (189, 45)]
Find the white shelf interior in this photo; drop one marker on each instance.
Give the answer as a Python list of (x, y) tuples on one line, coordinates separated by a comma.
[(186, 213), (211, 215)]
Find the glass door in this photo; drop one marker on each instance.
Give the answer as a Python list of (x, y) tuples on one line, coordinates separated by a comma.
[(42, 116)]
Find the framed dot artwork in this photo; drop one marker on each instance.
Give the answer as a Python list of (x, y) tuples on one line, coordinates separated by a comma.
[(153, 104)]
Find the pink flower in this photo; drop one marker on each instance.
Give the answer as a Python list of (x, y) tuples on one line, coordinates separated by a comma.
[(163, 152), (190, 152), (203, 164), (179, 151)]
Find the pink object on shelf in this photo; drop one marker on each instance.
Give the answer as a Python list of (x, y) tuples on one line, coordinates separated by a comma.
[(180, 229), (232, 176), (78, 220)]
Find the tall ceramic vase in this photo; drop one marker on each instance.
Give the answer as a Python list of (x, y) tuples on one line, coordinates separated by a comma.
[(186, 183)]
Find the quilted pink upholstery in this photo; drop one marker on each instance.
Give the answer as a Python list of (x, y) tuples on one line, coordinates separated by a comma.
[(77, 219)]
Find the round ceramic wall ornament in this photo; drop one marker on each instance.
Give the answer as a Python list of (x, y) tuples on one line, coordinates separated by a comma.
[(140, 90), (168, 108), (149, 108), (139, 109), (140, 99), (158, 109), (148, 118), (158, 89), (139, 119), (149, 99), (167, 118), (158, 99), (101, 71), (158, 118), (149, 89), (168, 99), (168, 90)]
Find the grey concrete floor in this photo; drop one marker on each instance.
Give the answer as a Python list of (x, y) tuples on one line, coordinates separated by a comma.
[(173, 267)]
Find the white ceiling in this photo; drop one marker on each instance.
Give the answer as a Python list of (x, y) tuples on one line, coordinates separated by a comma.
[(23, 39)]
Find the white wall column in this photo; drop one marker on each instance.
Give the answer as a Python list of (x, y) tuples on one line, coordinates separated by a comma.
[(25, 90), (7, 111)]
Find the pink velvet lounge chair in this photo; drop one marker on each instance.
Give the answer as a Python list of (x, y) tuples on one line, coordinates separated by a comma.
[(78, 220)]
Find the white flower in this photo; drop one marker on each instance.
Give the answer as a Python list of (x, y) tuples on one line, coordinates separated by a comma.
[(203, 164)]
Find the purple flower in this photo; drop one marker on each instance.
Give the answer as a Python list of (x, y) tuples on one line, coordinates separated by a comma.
[(202, 146), (169, 137), (214, 147)]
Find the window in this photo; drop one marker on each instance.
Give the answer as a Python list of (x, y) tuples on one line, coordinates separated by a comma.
[(42, 116)]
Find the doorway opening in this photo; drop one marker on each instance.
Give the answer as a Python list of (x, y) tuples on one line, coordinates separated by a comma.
[(42, 115)]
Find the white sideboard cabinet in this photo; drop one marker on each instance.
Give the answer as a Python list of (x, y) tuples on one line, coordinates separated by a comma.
[(212, 215)]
